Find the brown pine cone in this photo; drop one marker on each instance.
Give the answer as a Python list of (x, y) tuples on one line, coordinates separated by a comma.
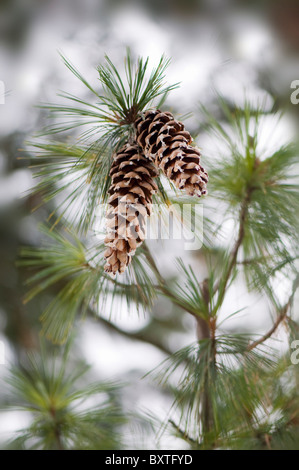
[(165, 141), (130, 202)]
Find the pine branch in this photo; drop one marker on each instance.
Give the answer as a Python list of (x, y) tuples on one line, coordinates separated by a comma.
[(136, 336), (241, 234), (59, 403), (242, 221), (232, 391), (281, 317), (117, 108), (204, 325), (56, 429), (183, 434), (272, 222), (207, 330), (77, 277)]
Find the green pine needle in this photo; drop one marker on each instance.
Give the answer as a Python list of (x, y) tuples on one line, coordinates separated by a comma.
[(267, 183), (57, 400), (75, 276), (118, 106)]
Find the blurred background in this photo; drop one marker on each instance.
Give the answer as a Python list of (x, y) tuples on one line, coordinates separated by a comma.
[(235, 47)]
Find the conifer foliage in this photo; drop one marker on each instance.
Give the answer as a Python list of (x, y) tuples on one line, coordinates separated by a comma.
[(122, 116), (229, 387)]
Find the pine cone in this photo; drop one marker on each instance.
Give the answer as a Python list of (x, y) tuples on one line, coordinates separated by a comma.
[(130, 202), (165, 141)]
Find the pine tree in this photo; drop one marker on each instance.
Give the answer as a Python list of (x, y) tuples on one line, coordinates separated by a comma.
[(231, 392)]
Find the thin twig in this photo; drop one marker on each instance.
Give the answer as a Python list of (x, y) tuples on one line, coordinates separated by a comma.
[(137, 336), (282, 315), (241, 234), (183, 434), (272, 330)]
